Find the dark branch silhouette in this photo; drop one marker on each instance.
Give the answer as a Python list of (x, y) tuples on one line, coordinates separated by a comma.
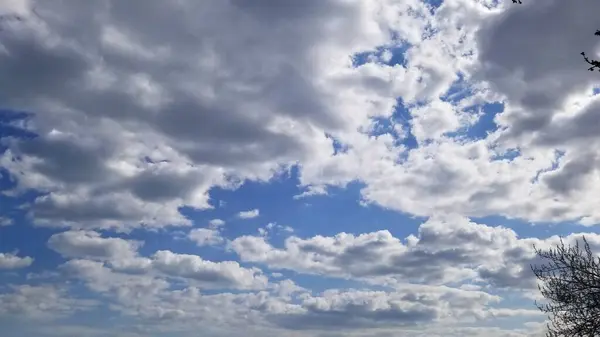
[(595, 63), (570, 283)]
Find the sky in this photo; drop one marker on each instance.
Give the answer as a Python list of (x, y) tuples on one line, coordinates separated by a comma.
[(326, 168)]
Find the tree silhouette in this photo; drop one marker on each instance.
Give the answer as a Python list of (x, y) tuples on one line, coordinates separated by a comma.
[(570, 283)]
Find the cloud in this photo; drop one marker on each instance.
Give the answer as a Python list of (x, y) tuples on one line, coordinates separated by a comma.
[(164, 115), (226, 274), (250, 214), (159, 105), (4, 221), (40, 302), (91, 245), (273, 227), (445, 251), (12, 261), (413, 306), (92, 254), (120, 253), (215, 223), (205, 236)]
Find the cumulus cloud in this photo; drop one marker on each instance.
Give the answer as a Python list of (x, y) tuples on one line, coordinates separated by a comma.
[(513, 170), (444, 251), (12, 261), (159, 103), (92, 254), (91, 245), (205, 236), (215, 223), (149, 120), (226, 274), (80, 244), (413, 306), (250, 214), (40, 302)]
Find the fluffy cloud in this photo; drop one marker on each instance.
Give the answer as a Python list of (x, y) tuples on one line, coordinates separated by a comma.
[(120, 253), (445, 251), (95, 255), (40, 302), (91, 245), (215, 223), (205, 236), (135, 110), (12, 261), (253, 213), (410, 307), (227, 274), (534, 164), (148, 120)]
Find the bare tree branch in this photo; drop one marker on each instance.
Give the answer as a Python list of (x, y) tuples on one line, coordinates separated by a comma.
[(570, 283)]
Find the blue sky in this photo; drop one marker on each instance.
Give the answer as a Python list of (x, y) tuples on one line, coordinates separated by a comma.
[(363, 168)]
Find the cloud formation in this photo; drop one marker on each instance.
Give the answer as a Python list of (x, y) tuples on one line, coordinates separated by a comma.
[(12, 261), (250, 214), (124, 126)]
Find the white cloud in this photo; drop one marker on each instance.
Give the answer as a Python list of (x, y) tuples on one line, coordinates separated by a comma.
[(431, 121), (205, 236), (274, 228), (250, 214), (120, 253), (413, 306), (40, 302), (91, 245), (12, 261), (157, 106), (445, 251), (227, 274), (4, 221), (163, 115), (215, 223), (95, 255)]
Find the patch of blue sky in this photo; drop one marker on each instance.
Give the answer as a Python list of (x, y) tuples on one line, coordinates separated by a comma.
[(11, 125), (401, 118), (484, 124), (27, 240), (433, 5), (487, 112), (388, 54), (339, 211), (459, 90), (508, 155), (338, 146)]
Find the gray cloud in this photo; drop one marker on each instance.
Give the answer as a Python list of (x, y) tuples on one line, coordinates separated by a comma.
[(445, 251), (40, 302), (12, 261), (184, 95), (91, 245)]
